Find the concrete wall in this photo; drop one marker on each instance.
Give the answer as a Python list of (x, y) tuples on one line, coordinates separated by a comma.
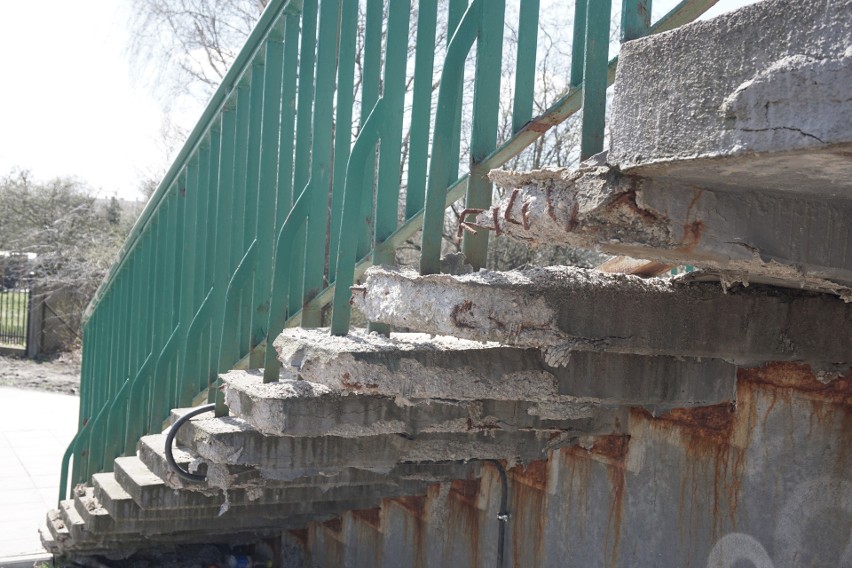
[(763, 483)]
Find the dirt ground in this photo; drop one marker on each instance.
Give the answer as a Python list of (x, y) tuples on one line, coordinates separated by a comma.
[(60, 374)]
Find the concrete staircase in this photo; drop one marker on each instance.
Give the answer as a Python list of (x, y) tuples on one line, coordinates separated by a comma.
[(555, 394)]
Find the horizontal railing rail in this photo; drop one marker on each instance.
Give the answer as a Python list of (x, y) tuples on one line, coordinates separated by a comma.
[(276, 204)]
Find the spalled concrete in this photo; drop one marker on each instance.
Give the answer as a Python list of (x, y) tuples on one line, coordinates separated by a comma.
[(487, 379), (344, 413), (254, 479), (562, 309), (746, 234), (233, 441)]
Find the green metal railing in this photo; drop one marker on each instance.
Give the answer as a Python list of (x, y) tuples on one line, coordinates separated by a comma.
[(271, 211)]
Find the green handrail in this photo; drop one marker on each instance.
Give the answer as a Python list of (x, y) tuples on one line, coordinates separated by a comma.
[(272, 210)]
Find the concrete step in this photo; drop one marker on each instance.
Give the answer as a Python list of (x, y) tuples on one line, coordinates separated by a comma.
[(565, 309), (47, 539), (235, 502), (255, 479), (72, 520), (59, 533), (507, 386), (232, 441), (89, 517), (118, 545)]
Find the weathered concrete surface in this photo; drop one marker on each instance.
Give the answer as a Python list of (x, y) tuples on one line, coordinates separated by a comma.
[(763, 483), (566, 308), (104, 502), (773, 76), (746, 234), (511, 387), (271, 409), (233, 441), (255, 479)]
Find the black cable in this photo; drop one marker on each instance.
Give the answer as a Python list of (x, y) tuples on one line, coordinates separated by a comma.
[(503, 514), (170, 438)]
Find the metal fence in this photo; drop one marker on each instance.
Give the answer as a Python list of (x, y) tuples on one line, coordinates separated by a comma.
[(14, 317), (270, 212)]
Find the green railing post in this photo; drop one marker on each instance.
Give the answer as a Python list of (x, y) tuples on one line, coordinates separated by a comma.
[(421, 106), (267, 189), (393, 98), (342, 134), (594, 77), (486, 107), (440, 166), (319, 183), (635, 19)]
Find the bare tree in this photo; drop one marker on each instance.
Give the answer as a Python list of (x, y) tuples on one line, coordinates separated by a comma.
[(74, 235)]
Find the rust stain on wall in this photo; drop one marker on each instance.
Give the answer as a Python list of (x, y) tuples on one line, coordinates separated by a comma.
[(706, 435), (533, 474), (372, 517), (464, 515), (612, 452), (803, 380)]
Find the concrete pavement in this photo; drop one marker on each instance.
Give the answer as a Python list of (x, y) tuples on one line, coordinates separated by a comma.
[(35, 429)]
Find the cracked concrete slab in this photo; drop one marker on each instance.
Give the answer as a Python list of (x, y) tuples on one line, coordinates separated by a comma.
[(351, 414), (216, 441), (744, 233), (417, 369), (255, 479), (712, 88), (566, 308)]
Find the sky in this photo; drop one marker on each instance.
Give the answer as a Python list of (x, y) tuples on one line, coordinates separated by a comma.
[(69, 105)]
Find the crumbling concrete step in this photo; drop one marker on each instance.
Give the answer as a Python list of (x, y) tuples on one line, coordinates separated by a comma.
[(47, 540), (237, 502), (72, 520), (254, 479), (567, 308), (744, 234), (500, 385), (59, 533), (121, 545), (233, 441), (96, 519)]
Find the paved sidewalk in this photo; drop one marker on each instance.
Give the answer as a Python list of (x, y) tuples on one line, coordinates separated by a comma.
[(35, 429)]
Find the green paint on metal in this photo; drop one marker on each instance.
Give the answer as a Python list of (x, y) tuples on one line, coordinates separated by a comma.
[(421, 106), (635, 19), (486, 111), (594, 77), (440, 167), (522, 106)]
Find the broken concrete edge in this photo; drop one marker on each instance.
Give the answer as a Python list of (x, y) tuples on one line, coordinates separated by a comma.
[(597, 207), (437, 370), (558, 308)]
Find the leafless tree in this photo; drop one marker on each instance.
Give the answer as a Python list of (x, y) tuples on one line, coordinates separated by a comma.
[(74, 235)]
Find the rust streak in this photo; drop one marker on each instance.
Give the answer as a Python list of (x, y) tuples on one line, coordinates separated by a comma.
[(507, 215), (551, 212), (525, 215), (572, 220), (372, 517), (802, 379), (458, 312)]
